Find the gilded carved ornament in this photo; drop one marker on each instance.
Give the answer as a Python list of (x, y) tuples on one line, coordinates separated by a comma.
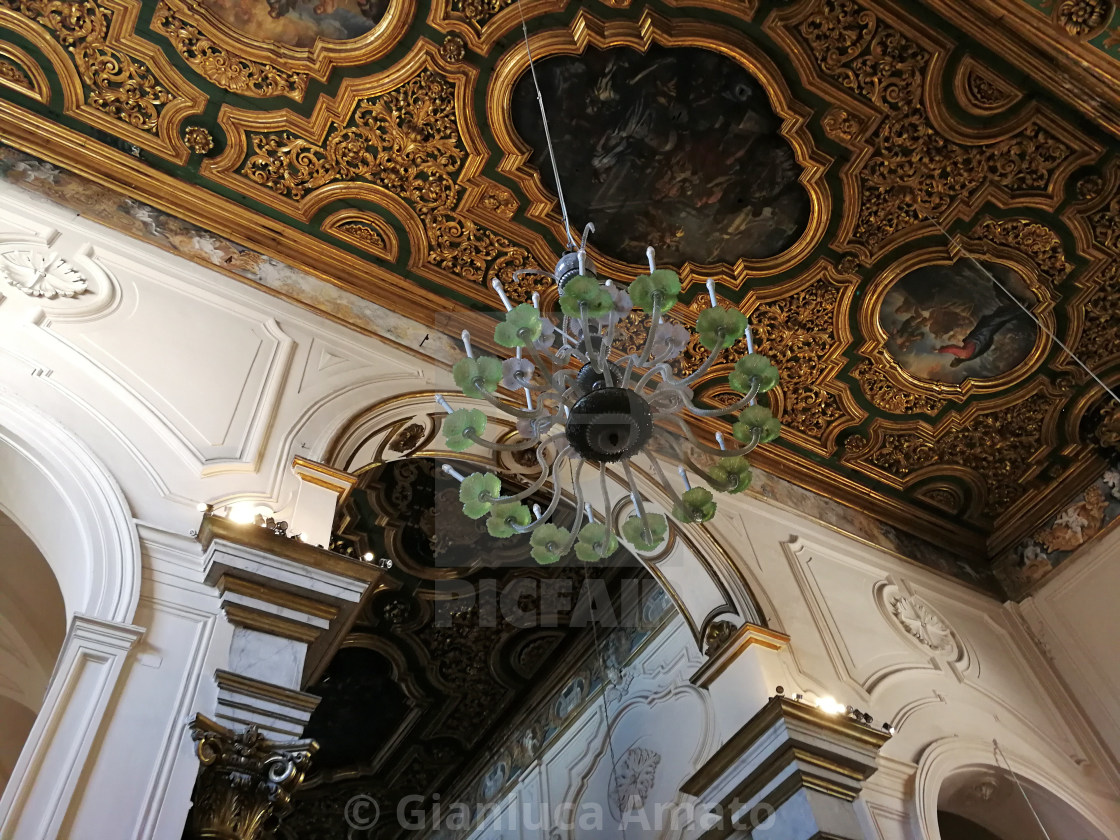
[(915, 173), (245, 783), (125, 85), (221, 66)]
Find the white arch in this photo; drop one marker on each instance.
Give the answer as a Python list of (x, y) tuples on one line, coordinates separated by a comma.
[(948, 756), (57, 491)]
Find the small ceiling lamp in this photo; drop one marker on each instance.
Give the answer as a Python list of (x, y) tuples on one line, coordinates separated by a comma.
[(585, 401)]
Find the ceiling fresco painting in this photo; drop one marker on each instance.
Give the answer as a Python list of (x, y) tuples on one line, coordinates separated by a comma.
[(298, 23), (678, 148), (834, 165), (949, 323)]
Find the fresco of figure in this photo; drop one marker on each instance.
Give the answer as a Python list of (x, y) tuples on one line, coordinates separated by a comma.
[(299, 23), (948, 323), (676, 147)]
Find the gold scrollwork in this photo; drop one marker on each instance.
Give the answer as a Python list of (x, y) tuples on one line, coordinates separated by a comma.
[(367, 231), (981, 90), (1083, 19), (401, 147), (20, 72), (126, 85), (316, 60), (219, 65), (995, 447), (915, 173)]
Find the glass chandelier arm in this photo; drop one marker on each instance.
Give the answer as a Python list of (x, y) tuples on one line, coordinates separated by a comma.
[(551, 509), (748, 399), (605, 352), (704, 367), (545, 369), (655, 318), (500, 447), (662, 368), (712, 450), (674, 443), (606, 498), (540, 482), (636, 498), (665, 485), (570, 544), (519, 413)]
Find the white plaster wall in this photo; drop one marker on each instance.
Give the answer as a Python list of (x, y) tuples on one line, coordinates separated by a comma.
[(186, 386), (1075, 619)]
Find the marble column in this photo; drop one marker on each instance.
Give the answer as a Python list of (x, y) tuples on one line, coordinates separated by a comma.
[(289, 603), (792, 772)]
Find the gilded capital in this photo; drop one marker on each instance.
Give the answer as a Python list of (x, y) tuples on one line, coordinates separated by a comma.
[(245, 783)]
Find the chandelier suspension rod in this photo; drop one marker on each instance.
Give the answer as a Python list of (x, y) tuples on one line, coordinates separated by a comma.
[(547, 133)]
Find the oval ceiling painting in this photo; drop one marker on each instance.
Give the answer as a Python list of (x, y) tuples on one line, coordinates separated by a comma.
[(298, 23), (949, 323), (675, 147)]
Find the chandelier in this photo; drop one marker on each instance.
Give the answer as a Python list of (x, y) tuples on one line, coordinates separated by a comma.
[(581, 401)]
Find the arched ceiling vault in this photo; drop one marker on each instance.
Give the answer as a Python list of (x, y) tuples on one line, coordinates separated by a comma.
[(815, 157)]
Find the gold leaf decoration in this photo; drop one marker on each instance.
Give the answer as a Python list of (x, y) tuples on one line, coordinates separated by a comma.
[(217, 65), (915, 172), (405, 141), (117, 84)]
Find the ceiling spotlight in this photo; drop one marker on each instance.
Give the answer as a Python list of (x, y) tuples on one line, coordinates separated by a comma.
[(368, 556), (203, 507)]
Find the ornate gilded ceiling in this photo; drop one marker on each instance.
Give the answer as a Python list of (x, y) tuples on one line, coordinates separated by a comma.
[(853, 174)]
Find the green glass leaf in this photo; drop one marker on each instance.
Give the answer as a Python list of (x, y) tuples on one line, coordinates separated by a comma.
[(696, 505), (732, 475), (595, 542), (521, 327), (585, 292), (477, 493), (634, 534), (504, 516), (664, 283), (720, 327), (547, 543), (756, 417), (483, 372), (750, 367), (458, 423)]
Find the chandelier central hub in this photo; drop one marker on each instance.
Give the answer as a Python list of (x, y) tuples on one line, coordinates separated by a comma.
[(609, 424)]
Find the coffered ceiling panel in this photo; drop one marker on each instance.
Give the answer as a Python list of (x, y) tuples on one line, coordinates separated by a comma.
[(875, 184)]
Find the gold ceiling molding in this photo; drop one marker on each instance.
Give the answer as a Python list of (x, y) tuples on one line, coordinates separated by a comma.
[(404, 139), (112, 80), (803, 329), (982, 91), (482, 22), (920, 165), (224, 67), (984, 441), (587, 31), (369, 232), (1070, 68), (316, 60), (21, 73)]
